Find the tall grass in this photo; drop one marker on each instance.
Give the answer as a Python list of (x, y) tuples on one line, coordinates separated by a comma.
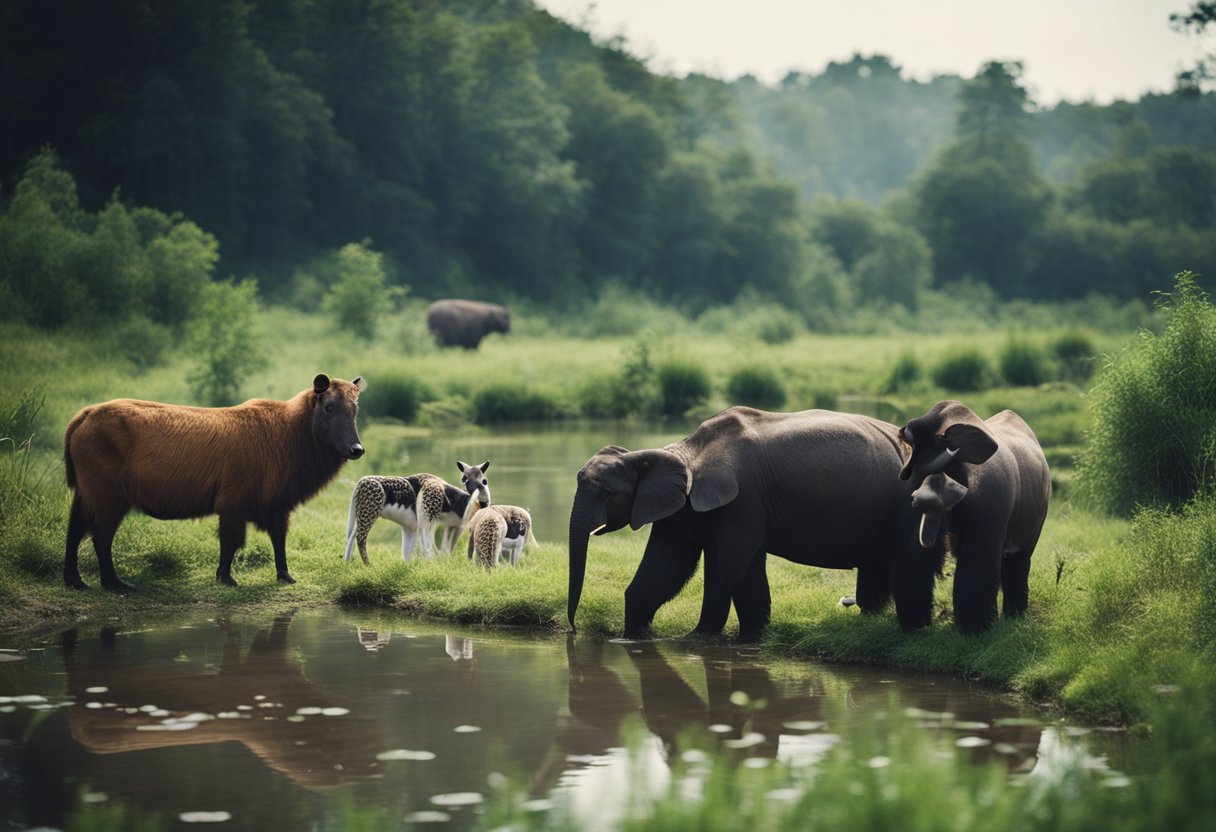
[(1152, 435)]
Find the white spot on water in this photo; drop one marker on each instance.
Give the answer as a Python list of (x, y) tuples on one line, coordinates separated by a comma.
[(335, 711), (972, 742), (457, 799), (748, 740), (466, 729), (878, 762), (97, 689), (405, 754), (804, 725), (427, 817), (309, 711), (204, 817), (720, 728)]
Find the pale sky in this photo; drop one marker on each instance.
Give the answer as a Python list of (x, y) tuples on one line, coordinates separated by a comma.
[(1077, 50)]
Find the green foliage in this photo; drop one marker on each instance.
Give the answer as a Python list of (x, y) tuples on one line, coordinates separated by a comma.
[(361, 296), (1075, 354), (634, 391), (394, 394), (514, 402), (60, 264), (756, 386), (964, 369), (1153, 408), (905, 375), (683, 385), (225, 339), (1023, 363)]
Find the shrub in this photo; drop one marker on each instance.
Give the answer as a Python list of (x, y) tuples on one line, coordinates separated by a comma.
[(756, 386), (1074, 353), (224, 339), (361, 295), (1152, 435), (142, 342), (965, 370), (513, 403), (682, 385), (904, 375), (394, 395), (1023, 363)]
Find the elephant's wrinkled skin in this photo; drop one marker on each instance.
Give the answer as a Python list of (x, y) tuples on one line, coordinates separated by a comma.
[(987, 484), (815, 487)]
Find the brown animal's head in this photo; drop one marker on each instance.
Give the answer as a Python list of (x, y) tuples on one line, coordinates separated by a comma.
[(473, 478), (335, 404), (949, 432)]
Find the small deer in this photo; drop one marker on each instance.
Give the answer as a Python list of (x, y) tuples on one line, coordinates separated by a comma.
[(418, 503), (500, 531)]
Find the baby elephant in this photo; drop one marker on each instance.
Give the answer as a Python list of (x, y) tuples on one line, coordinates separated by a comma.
[(499, 531), (418, 503), (985, 484)]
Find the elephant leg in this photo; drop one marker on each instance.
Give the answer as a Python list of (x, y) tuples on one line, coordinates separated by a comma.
[(977, 577), (668, 563), (753, 604), (912, 580), (715, 599), (1015, 582), (873, 587)]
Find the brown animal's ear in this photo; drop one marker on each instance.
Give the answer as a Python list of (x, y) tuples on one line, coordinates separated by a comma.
[(967, 434), (662, 487), (360, 383), (321, 383)]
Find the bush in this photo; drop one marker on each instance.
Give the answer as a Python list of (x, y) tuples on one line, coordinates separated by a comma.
[(682, 385), (965, 370), (757, 387), (1152, 435), (1023, 363), (904, 375), (394, 395), (224, 339), (1074, 353), (513, 403), (142, 342), (361, 295)]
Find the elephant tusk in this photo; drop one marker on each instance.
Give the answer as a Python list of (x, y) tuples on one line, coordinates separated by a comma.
[(597, 528), (920, 534)]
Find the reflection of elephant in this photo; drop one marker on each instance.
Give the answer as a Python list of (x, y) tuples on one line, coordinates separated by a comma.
[(814, 487), (777, 718), (987, 485), (463, 323)]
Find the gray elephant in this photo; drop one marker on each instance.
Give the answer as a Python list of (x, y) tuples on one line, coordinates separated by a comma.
[(463, 323), (987, 484), (815, 487)]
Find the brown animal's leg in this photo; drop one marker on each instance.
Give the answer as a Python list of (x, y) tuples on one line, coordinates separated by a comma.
[(104, 528), (78, 527), (277, 529), (232, 537)]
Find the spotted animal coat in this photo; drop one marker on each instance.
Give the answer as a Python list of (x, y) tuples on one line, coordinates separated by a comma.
[(499, 531), (418, 503)]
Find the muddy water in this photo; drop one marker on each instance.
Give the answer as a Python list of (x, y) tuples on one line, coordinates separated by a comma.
[(293, 722)]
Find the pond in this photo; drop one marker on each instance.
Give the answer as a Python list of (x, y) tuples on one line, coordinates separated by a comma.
[(288, 722)]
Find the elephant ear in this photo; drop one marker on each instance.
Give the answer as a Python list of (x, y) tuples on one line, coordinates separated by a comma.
[(662, 487), (967, 434), (714, 483)]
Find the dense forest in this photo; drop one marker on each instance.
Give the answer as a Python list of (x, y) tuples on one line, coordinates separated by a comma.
[(486, 148)]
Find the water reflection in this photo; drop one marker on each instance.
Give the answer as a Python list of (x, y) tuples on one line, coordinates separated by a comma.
[(278, 722)]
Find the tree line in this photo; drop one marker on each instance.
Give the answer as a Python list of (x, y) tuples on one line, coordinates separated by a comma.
[(486, 148)]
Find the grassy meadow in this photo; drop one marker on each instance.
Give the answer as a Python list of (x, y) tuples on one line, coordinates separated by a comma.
[(1082, 635)]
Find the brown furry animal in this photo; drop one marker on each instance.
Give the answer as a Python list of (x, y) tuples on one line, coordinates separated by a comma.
[(253, 463)]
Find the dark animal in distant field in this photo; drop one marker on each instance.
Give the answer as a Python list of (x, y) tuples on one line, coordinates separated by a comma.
[(985, 484), (417, 503), (463, 323), (253, 463)]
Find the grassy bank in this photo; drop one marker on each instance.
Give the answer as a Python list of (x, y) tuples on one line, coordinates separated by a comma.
[(1102, 603)]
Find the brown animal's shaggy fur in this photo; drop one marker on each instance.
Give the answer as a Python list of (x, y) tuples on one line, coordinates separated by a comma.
[(253, 463)]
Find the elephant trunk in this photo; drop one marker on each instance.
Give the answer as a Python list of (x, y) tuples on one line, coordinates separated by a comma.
[(587, 516)]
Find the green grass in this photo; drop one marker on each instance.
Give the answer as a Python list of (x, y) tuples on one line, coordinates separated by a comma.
[(1096, 613)]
